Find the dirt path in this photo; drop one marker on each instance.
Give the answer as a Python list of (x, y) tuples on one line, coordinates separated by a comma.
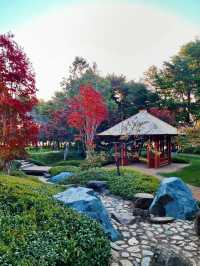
[(165, 169)]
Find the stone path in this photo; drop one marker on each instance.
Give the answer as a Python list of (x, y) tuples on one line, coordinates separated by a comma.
[(140, 238)]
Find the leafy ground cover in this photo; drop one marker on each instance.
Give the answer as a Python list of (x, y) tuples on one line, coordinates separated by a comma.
[(190, 174), (125, 185), (37, 230)]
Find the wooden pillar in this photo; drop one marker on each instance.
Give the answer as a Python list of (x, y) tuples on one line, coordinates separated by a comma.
[(169, 148), (116, 152), (149, 154), (157, 152), (123, 154)]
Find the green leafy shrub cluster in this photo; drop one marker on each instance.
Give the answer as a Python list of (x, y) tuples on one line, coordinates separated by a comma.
[(192, 150), (76, 163), (47, 158), (177, 159), (96, 160), (126, 185), (59, 169), (36, 230), (51, 157)]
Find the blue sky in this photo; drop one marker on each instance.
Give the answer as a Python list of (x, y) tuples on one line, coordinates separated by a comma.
[(124, 37)]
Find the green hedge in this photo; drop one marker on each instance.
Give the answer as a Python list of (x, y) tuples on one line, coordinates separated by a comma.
[(177, 159), (192, 150), (47, 158), (59, 169), (127, 185), (36, 230), (69, 162)]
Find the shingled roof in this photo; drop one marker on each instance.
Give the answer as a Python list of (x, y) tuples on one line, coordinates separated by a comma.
[(143, 123)]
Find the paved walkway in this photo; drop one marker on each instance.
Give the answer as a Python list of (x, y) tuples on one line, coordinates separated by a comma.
[(140, 238), (142, 167)]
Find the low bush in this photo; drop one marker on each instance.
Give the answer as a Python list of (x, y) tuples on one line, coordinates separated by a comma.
[(36, 230), (47, 158), (192, 150), (59, 169), (126, 185), (177, 159), (97, 160), (76, 163)]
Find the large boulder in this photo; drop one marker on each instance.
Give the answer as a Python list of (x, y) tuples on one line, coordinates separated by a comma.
[(86, 201), (60, 177), (174, 199)]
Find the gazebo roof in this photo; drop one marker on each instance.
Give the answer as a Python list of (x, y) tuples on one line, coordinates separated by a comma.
[(143, 123)]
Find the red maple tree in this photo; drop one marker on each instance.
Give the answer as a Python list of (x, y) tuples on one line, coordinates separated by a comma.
[(87, 111), (17, 98), (163, 114)]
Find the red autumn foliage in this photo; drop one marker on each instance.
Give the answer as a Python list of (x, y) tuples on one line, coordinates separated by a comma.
[(163, 114), (87, 112), (56, 128), (17, 98)]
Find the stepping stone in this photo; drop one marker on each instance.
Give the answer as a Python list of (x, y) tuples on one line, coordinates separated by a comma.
[(161, 220), (123, 218), (143, 200)]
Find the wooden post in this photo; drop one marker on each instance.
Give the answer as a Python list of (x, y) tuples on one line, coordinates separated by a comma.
[(157, 151), (116, 150), (169, 148)]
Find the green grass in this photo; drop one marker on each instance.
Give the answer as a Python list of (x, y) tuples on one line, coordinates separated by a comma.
[(189, 174)]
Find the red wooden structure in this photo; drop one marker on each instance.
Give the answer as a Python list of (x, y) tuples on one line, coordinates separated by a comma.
[(139, 129)]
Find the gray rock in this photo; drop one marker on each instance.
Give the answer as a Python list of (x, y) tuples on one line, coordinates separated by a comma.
[(143, 200), (174, 199), (123, 218), (161, 220), (146, 261), (126, 263), (86, 201), (197, 224), (168, 257), (99, 186)]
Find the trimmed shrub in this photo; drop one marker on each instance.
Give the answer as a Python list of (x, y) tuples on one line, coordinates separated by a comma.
[(76, 163), (47, 158), (127, 185), (37, 230), (59, 169), (177, 159)]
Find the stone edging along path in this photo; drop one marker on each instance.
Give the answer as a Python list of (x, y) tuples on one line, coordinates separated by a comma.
[(140, 238)]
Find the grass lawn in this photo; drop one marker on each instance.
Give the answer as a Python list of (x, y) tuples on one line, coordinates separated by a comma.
[(190, 174)]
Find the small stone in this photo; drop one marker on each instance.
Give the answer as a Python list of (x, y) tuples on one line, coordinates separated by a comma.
[(136, 255), (123, 218), (178, 238), (133, 241), (134, 249), (114, 264), (146, 253), (115, 246), (146, 261), (126, 234), (115, 254), (125, 263), (125, 254)]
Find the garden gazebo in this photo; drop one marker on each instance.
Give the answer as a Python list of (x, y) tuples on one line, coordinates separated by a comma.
[(129, 136)]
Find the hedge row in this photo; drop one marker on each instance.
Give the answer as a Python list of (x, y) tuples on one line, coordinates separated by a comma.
[(37, 230)]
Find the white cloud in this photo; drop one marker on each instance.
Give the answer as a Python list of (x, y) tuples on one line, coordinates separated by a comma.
[(121, 38)]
